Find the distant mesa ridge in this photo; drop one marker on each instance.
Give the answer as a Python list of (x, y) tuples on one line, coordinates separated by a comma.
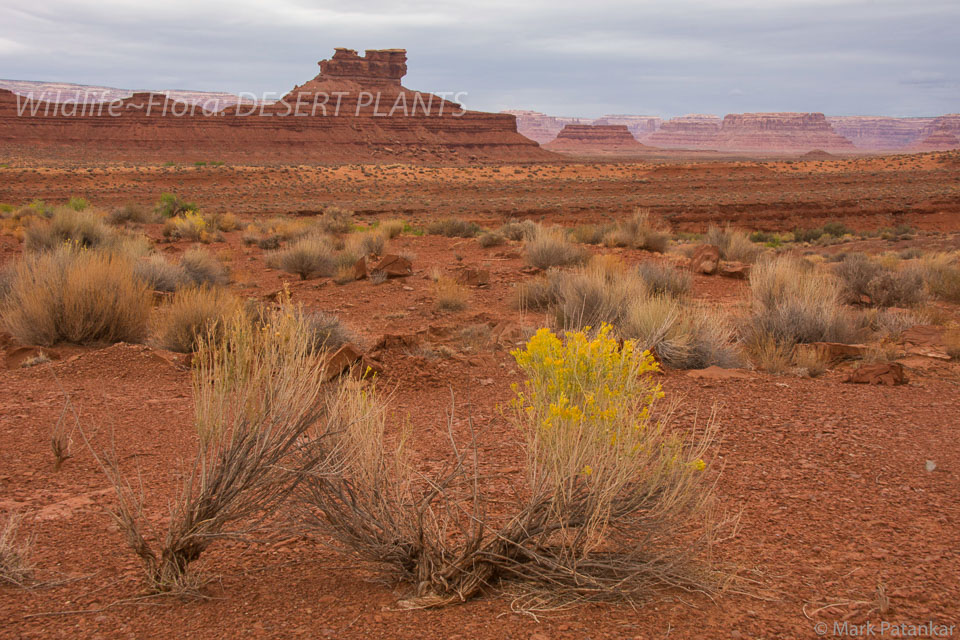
[(355, 110), (595, 138)]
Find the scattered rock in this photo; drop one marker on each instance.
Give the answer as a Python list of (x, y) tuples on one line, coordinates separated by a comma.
[(735, 270), (706, 259), (719, 373), (474, 277), (395, 341), (887, 373), (923, 335), (360, 269), (349, 358), (834, 352), (394, 266)]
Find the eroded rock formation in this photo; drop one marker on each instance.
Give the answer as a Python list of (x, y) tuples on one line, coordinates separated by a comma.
[(945, 134), (355, 110), (881, 133), (692, 131), (779, 132), (541, 127), (595, 139), (639, 126)]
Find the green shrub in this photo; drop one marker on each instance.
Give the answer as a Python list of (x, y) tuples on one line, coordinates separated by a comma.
[(171, 205)]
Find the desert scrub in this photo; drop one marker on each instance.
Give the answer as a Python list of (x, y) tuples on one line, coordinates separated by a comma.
[(550, 248), (597, 293), (203, 268), (450, 295), (159, 274), (734, 245), (85, 229), (190, 226), (617, 504), (793, 301), (941, 272), (638, 232), (257, 390), (453, 228), (523, 230), (491, 239), (170, 205), (336, 220), (308, 257), (192, 313), (75, 295), (878, 282), (15, 563), (664, 279)]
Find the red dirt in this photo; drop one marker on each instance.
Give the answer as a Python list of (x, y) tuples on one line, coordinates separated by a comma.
[(830, 478)]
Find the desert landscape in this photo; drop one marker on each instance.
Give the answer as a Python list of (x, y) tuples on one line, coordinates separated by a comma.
[(451, 373)]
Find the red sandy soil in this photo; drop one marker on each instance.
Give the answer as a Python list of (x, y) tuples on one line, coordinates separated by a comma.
[(829, 478), (920, 190)]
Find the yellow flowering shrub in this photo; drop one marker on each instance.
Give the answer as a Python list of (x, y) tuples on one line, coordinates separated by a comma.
[(584, 410)]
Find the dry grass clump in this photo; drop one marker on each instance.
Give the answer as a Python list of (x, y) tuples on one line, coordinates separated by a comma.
[(392, 228), (491, 239), (682, 336), (793, 301), (537, 293), (453, 228), (592, 295), (203, 268), (15, 564), (664, 279), (523, 230), (336, 220), (880, 283), (368, 243), (191, 225), (734, 245), (82, 229), (308, 257), (257, 391), (191, 314), (159, 274), (616, 503), (550, 248), (450, 295), (812, 362), (768, 354), (638, 232), (941, 272), (590, 233), (132, 212), (77, 296)]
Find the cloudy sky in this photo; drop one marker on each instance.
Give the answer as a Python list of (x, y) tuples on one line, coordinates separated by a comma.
[(659, 57)]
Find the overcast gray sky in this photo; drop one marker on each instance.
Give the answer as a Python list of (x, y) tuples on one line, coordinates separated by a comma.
[(659, 57)]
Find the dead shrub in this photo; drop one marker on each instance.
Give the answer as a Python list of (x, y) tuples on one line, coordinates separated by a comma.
[(325, 331), (336, 220), (879, 284), (368, 243), (83, 297), (132, 212), (16, 567), (616, 503), (191, 314), (392, 228), (942, 275), (550, 248), (768, 354), (592, 295), (537, 293), (203, 268), (453, 228), (590, 233), (256, 394)]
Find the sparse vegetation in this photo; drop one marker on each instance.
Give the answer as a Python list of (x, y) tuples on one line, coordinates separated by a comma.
[(308, 257), (734, 245), (450, 295), (638, 232), (159, 274), (550, 248), (453, 228), (171, 205), (193, 313), (16, 566), (664, 279), (84, 229), (203, 268), (77, 296)]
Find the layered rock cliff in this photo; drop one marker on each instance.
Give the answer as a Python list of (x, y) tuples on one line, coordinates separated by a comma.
[(881, 133), (355, 110), (779, 132), (945, 134), (541, 127), (692, 131), (591, 139), (639, 126)]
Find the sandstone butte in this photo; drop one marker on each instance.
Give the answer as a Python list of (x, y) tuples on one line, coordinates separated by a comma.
[(692, 131), (541, 127), (398, 124), (595, 139), (881, 132)]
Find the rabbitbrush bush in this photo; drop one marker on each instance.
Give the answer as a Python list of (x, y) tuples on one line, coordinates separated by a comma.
[(617, 503)]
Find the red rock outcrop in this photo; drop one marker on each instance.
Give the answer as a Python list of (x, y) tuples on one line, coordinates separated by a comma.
[(356, 110), (779, 132), (594, 139), (693, 131), (541, 127), (880, 133), (944, 136), (63, 92)]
